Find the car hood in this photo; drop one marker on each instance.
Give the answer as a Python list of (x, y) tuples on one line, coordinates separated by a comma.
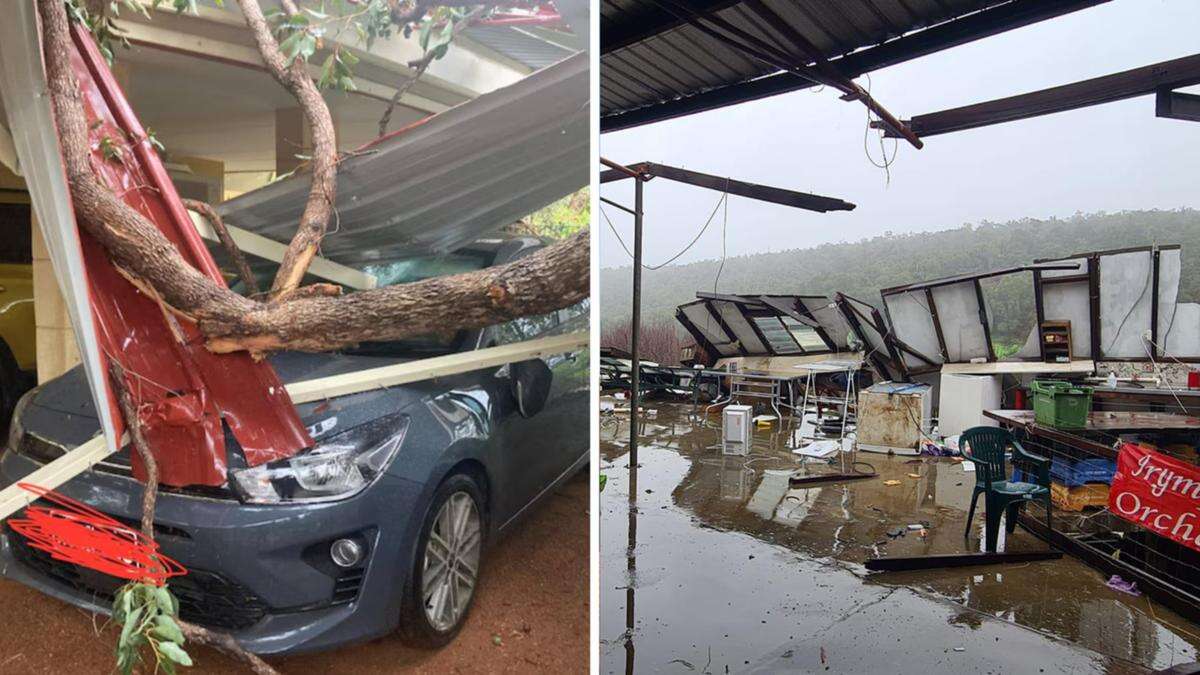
[(62, 410)]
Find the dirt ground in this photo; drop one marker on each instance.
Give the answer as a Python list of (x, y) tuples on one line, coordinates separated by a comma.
[(533, 595)]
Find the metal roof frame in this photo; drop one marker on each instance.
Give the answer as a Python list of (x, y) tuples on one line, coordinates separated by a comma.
[(910, 32), (1157, 78), (762, 193)]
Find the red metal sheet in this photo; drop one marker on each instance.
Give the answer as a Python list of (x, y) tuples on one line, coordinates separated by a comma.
[(182, 390)]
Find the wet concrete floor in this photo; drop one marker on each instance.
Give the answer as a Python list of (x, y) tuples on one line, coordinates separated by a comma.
[(712, 564)]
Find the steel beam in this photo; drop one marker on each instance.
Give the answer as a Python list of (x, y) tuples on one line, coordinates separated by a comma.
[(762, 193), (1177, 105), (1181, 72)]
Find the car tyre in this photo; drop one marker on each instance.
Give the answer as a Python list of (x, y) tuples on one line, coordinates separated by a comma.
[(447, 563)]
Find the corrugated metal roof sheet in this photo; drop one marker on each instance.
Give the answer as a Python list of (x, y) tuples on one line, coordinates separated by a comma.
[(685, 60), (519, 45), (651, 56), (448, 179)]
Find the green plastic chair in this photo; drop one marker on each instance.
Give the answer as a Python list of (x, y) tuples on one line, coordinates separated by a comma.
[(987, 447)]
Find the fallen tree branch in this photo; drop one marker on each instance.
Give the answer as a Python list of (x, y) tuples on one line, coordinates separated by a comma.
[(239, 261), (192, 632), (225, 643), (133, 425), (319, 206), (549, 279)]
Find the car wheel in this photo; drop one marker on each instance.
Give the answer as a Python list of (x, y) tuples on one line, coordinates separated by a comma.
[(446, 568)]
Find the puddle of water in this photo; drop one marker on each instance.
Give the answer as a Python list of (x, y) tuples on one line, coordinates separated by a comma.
[(713, 563)]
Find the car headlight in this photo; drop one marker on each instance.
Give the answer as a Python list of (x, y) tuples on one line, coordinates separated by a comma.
[(16, 429), (336, 468)]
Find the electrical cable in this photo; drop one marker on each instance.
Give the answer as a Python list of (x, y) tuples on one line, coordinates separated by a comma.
[(724, 230), (885, 163), (1162, 378), (1121, 326), (675, 257)]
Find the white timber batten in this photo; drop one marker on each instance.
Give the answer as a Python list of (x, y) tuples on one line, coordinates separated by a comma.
[(437, 366), (1018, 367), (13, 498), (84, 457), (269, 249)]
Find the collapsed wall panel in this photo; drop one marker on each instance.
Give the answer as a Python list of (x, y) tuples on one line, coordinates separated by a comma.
[(741, 328), (912, 322), (958, 310), (698, 315), (1126, 299), (826, 312)]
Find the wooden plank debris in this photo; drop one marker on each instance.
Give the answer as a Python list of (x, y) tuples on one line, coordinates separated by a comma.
[(943, 560), (438, 366), (84, 457)]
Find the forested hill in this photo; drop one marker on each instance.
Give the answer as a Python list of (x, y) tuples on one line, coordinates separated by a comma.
[(862, 268)]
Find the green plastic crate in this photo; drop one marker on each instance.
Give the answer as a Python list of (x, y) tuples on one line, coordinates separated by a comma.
[(1061, 405)]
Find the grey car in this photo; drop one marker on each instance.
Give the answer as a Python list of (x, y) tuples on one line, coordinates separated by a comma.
[(383, 525)]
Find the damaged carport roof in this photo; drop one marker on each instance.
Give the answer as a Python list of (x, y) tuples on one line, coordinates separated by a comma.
[(446, 180)]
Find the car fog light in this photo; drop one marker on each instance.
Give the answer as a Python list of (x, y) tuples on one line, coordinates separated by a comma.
[(346, 552)]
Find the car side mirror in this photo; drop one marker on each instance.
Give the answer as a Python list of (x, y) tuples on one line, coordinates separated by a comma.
[(530, 382)]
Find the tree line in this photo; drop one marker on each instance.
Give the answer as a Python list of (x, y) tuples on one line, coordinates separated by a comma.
[(862, 268)]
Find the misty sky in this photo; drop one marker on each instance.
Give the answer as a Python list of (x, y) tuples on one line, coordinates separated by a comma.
[(1103, 158)]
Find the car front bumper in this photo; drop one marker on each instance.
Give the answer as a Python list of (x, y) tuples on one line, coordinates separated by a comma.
[(260, 573)]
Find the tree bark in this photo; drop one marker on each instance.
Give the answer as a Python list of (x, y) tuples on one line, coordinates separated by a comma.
[(134, 426), (225, 642), (550, 279), (192, 632), (317, 210), (239, 261)]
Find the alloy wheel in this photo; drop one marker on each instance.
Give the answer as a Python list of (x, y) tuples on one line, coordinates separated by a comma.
[(452, 561)]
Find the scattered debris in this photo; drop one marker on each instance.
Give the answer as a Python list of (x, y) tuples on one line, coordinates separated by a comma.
[(1116, 583), (819, 449), (891, 483)]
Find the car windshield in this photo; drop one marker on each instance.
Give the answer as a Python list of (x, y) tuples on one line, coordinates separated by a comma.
[(415, 269)]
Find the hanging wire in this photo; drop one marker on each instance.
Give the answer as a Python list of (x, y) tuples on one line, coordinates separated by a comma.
[(885, 162), (722, 199), (724, 228), (1121, 326), (1162, 379)]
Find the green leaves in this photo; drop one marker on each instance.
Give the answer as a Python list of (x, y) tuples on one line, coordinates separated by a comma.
[(147, 615), (175, 653), (111, 150), (301, 44), (336, 72), (437, 30)]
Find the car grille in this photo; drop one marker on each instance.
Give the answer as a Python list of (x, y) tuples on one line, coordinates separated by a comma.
[(345, 588), (205, 598), (42, 450)]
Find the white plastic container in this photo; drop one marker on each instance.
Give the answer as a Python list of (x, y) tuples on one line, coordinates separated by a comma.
[(736, 424)]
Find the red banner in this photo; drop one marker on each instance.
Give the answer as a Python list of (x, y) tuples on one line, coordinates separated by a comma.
[(1159, 493)]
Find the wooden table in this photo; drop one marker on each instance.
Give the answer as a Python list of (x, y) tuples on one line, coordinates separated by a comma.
[(1097, 421)]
